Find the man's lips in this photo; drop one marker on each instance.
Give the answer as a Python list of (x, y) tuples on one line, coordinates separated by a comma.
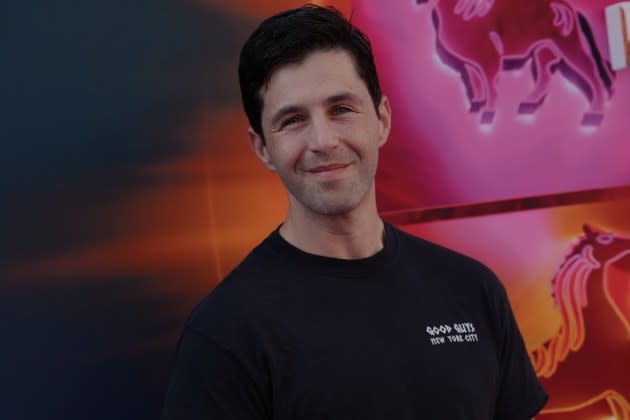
[(327, 168)]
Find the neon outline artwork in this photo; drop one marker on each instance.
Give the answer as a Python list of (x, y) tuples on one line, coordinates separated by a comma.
[(480, 38), (586, 294)]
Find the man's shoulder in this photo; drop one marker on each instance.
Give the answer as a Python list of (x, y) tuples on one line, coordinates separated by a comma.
[(445, 267), (438, 255), (233, 303)]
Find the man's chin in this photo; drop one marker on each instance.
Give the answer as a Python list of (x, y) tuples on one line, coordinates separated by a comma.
[(338, 207), (338, 201)]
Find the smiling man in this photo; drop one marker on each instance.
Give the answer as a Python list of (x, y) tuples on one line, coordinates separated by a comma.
[(337, 315), (322, 132)]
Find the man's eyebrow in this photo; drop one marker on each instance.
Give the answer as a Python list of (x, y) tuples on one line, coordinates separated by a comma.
[(345, 96), (291, 109)]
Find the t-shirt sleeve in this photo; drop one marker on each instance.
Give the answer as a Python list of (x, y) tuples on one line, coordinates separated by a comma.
[(209, 382), (520, 395)]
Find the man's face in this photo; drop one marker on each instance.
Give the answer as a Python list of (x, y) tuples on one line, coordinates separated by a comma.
[(322, 133)]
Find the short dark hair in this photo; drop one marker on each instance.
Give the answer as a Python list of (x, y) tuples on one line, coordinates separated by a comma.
[(287, 38)]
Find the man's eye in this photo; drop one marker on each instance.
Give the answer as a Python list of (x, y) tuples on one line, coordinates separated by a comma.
[(339, 110), (292, 120)]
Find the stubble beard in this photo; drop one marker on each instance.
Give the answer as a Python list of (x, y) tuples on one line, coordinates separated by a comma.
[(336, 198)]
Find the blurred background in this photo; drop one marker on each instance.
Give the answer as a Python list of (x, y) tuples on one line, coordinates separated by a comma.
[(125, 181), (128, 188)]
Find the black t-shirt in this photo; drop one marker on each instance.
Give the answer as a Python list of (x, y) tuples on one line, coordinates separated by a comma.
[(416, 331)]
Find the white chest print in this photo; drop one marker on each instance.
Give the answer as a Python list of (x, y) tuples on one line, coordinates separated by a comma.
[(458, 332)]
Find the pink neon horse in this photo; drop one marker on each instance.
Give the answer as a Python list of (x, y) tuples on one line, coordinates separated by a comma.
[(479, 38), (585, 367)]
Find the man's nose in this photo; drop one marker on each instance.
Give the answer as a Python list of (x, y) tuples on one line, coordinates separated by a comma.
[(323, 137)]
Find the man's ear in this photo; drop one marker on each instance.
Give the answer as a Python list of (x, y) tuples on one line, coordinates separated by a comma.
[(259, 147), (385, 120)]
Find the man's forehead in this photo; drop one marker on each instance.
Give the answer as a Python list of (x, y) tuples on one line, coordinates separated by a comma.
[(335, 66)]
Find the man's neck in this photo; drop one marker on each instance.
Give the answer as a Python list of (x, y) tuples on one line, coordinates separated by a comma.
[(358, 234)]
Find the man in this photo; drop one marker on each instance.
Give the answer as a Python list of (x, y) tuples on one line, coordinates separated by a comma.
[(337, 315)]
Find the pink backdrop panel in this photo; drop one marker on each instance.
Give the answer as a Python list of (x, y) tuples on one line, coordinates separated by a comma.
[(560, 117)]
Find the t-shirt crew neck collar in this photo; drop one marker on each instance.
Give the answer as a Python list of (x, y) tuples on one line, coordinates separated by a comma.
[(352, 267)]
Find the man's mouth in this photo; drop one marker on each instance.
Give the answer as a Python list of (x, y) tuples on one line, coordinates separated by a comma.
[(327, 168), (328, 173)]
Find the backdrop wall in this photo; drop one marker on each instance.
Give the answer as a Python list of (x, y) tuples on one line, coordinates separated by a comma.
[(129, 189)]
